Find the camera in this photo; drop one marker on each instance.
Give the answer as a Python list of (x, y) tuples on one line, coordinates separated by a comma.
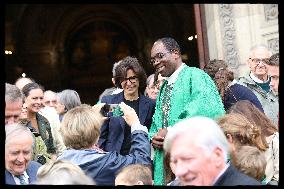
[(41, 159), (109, 110)]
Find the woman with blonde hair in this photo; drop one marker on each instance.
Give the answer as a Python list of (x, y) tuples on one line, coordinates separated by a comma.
[(239, 131), (269, 135)]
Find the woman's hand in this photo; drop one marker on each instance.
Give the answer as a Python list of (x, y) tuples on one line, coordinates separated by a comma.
[(130, 115)]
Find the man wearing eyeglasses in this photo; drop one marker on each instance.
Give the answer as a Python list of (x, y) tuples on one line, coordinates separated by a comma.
[(258, 81), (273, 72), (186, 92)]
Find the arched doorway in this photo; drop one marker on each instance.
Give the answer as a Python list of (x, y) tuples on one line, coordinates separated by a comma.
[(90, 54), (75, 46)]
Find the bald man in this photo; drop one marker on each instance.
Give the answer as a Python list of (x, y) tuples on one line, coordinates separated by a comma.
[(49, 98), (22, 81)]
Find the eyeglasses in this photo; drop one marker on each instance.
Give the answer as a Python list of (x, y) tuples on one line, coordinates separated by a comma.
[(158, 56), (132, 79), (258, 60)]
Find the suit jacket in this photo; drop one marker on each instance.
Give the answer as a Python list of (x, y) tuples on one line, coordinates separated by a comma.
[(112, 131), (233, 177), (31, 171)]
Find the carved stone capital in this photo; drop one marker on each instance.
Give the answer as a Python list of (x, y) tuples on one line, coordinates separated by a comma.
[(271, 12), (273, 44), (228, 35)]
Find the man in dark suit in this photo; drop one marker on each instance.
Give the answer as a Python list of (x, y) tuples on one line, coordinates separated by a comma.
[(19, 169), (131, 77), (198, 155)]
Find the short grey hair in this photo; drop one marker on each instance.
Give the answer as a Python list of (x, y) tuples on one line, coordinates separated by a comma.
[(149, 79), (12, 93), (114, 67), (260, 46), (205, 132), (16, 129), (69, 98)]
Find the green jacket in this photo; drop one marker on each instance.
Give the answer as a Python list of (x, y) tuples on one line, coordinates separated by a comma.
[(44, 141), (194, 94)]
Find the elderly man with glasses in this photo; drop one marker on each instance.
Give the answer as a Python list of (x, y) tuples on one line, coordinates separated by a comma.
[(258, 81)]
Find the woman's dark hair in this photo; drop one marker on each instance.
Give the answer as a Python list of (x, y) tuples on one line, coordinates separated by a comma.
[(218, 71), (30, 86), (133, 64)]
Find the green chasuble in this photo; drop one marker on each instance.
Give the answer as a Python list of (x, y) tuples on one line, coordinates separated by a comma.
[(194, 93)]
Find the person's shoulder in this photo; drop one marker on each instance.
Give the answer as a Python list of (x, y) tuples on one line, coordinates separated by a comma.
[(147, 99), (240, 88), (193, 71), (109, 98), (241, 178), (35, 164), (107, 92), (244, 80), (42, 118)]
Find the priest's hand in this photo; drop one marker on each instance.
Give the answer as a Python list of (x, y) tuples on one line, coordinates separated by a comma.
[(158, 138)]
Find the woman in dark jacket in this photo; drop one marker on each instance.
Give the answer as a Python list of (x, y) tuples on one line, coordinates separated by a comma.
[(230, 91), (131, 77)]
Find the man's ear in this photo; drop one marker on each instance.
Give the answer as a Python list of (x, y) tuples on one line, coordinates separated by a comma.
[(176, 53), (219, 157), (113, 81), (139, 182)]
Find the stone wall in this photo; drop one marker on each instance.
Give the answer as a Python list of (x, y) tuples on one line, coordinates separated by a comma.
[(232, 29)]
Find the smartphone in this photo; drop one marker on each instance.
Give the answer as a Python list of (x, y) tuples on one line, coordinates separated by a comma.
[(111, 110), (115, 109)]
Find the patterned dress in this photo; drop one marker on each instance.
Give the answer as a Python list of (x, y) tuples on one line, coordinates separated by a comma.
[(193, 93), (43, 146)]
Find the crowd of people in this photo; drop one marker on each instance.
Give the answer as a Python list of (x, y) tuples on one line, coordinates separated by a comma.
[(180, 126)]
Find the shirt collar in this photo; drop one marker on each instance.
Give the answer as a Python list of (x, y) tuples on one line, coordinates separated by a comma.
[(256, 79), (174, 76)]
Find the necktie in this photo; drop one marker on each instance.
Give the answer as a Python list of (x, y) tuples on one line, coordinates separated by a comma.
[(22, 180), (166, 104)]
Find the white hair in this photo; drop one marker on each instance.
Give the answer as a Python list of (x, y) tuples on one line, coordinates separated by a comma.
[(260, 46), (68, 172), (16, 129), (203, 131), (114, 67)]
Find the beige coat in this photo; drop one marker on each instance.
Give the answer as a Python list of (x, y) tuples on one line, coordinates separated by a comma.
[(272, 158), (52, 116)]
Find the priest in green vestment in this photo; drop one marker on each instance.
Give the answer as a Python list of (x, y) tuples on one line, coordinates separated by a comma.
[(186, 92)]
